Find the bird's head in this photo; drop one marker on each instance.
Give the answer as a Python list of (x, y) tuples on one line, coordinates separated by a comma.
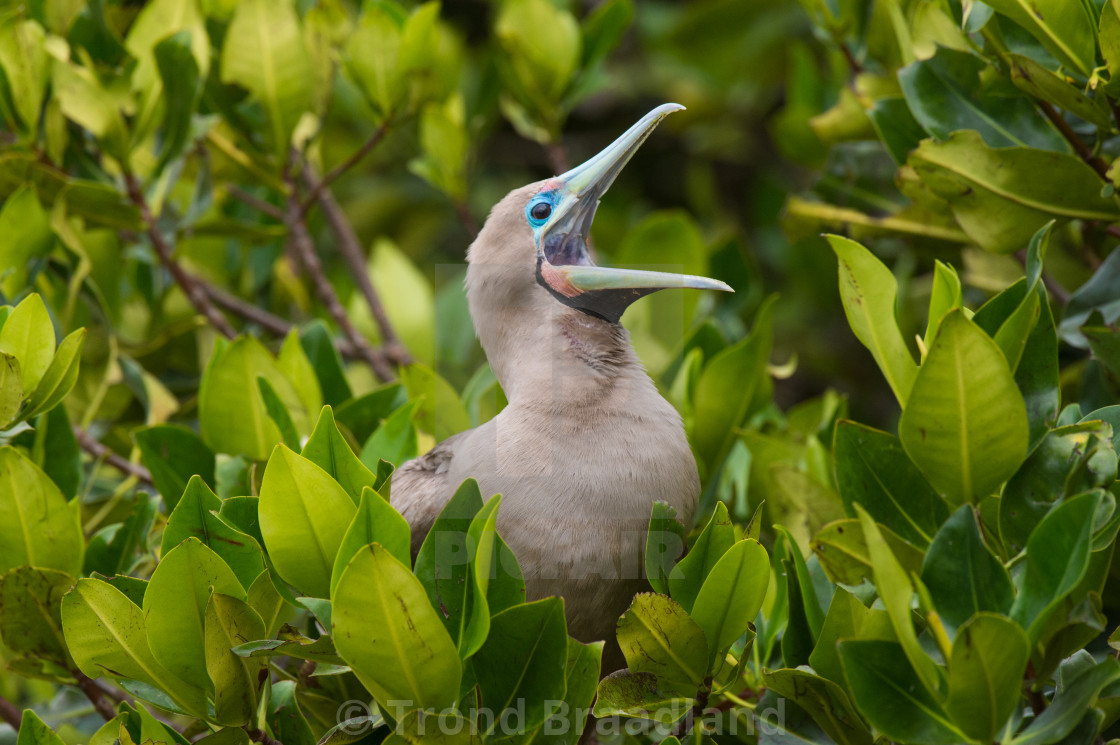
[(535, 240)]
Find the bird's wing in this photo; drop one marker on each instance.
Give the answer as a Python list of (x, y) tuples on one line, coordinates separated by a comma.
[(420, 488)]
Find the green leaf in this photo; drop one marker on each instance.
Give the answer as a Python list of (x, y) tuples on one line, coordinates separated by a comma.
[(25, 62), (873, 470), (11, 388), (945, 295), (182, 88), (196, 516), (947, 93), (230, 384), (25, 233), (581, 677), (284, 716), (372, 57), (665, 542), (229, 621), (318, 345), (986, 669), (328, 449), (628, 694), (1077, 694), (28, 335), (1039, 82), (363, 415), (1100, 293), (1069, 460), (57, 449), (1057, 557), (728, 386), (278, 413), (965, 424), (395, 440), (825, 701), (441, 412), (304, 515), (690, 573), (886, 690), (106, 635), (895, 591), (962, 575), (173, 454), (522, 665), (31, 612), (869, 292), (1065, 29), (731, 596), (842, 550), (374, 522), (995, 196), (175, 607), (391, 636), (847, 619), (1037, 374), (32, 731), (264, 53), (37, 526), (657, 636)]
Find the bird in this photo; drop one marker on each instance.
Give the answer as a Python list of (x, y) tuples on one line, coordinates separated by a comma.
[(586, 443)]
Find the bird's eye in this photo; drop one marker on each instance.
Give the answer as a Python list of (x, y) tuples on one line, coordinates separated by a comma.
[(540, 211)]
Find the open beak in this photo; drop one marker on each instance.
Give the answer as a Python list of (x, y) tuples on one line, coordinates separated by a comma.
[(564, 265)]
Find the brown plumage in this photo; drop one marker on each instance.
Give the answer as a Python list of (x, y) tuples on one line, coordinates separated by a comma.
[(586, 444)]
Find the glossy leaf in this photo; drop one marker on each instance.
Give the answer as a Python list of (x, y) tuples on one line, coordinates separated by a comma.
[(628, 694), (1079, 691), (869, 292), (37, 526), (962, 575), (173, 454), (1065, 29), (31, 612), (374, 522), (690, 573), (28, 335), (873, 469), (328, 449), (986, 669), (175, 607), (965, 424), (388, 632), (229, 622), (657, 636), (826, 702), (665, 542), (304, 514), (842, 550)]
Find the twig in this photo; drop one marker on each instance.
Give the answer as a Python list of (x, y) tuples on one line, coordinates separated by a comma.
[(96, 696), (697, 708), (198, 297), (1113, 230), (557, 157), (10, 713), (259, 735), (305, 250), (1060, 293), (100, 452), (853, 64), (351, 249), (466, 219), (344, 166), (1078, 144), (256, 203)]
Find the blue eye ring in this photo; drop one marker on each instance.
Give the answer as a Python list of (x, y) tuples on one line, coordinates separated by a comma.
[(539, 209)]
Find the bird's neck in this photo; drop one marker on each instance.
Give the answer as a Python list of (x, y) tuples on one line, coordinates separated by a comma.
[(557, 357)]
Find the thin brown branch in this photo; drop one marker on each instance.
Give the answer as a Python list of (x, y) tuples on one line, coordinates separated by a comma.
[(10, 713), (96, 696), (259, 735), (332, 175), (853, 63), (351, 249), (466, 219), (557, 157), (256, 203), (1113, 230), (690, 719), (1055, 289), (102, 453), (305, 251), (194, 291), (1083, 151)]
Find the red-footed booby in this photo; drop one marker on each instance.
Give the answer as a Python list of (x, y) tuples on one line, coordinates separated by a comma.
[(587, 443)]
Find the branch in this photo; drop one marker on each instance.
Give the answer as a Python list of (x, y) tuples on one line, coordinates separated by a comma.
[(305, 250), (333, 174), (466, 219), (259, 735), (194, 291), (96, 696), (557, 157), (351, 249), (1078, 144), (10, 713), (102, 453), (256, 203)]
